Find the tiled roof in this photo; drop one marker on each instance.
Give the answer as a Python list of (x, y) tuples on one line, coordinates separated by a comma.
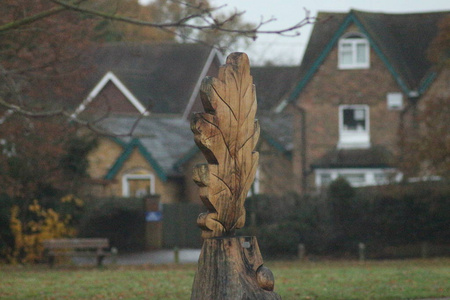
[(273, 83), (404, 39), (401, 40), (165, 139), (277, 130), (167, 142), (321, 35), (162, 76), (374, 157)]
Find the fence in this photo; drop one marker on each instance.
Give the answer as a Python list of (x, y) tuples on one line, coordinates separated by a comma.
[(180, 226), (134, 224)]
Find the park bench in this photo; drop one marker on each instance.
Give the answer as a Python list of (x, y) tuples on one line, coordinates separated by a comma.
[(87, 247)]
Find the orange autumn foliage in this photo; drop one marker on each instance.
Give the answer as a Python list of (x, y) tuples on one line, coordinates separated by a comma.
[(43, 224)]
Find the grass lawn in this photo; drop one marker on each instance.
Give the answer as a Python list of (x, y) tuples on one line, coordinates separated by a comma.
[(406, 279)]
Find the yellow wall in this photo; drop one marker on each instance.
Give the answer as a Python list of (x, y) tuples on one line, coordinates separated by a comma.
[(105, 155)]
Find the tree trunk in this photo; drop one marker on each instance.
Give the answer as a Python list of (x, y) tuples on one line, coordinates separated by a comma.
[(232, 268)]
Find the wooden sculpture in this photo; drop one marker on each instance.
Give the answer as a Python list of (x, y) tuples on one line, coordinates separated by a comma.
[(229, 267)]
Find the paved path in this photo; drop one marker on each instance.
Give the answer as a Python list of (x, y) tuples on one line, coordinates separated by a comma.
[(159, 257), (146, 258)]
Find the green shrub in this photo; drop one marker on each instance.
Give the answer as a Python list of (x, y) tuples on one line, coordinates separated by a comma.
[(6, 236)]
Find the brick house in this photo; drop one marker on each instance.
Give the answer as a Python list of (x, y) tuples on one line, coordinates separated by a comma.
[(143, 96), (362, 79)]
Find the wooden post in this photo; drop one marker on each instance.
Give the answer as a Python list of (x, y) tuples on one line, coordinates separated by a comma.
[(301, 251), (153, 223), (176, 255), (229, 267), (362, 252)]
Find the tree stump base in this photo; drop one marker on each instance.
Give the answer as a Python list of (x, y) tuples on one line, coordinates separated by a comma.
[(232, 268)]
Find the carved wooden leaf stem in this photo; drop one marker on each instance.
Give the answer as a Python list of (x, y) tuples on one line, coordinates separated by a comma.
[(227, 134)]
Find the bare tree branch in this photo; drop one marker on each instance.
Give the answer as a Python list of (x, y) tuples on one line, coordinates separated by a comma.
[(91, 125), (205, 15), (28, 20), (201, 18)]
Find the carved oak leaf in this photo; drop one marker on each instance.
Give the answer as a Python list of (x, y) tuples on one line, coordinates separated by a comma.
[(227, 134)]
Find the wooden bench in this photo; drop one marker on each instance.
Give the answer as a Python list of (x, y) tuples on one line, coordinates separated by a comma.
[(91, 247)]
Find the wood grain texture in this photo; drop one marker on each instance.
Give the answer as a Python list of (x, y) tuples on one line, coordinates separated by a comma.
[(231, 268), (226, 133)]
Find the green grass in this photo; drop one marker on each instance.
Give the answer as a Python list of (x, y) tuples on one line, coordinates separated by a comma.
[(408, 279)]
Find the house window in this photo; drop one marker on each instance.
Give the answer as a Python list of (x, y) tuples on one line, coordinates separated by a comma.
[(353, 52), (357, 177), (7, 149), (325, 179), (394, 101), (254, 189), (138, 185), (354, 179), (381, 178), (354, 126)]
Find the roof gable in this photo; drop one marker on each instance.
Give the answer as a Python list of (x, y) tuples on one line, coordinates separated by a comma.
[(213, 54), (387, 37), (163, 76), (128, 150), (403, 40), (167, 139), (107, 78)]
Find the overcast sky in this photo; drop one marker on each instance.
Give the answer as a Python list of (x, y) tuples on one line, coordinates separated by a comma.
[(288, 50)]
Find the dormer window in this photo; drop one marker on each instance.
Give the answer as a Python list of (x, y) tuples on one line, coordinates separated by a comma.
[(353, 52)]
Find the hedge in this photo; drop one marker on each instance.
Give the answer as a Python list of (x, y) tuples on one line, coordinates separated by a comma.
[(335, 221)]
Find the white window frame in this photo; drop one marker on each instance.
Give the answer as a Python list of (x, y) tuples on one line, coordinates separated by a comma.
[(126, 185), (354, 138), (354, 40), (255, 187), (394, 101), (370, 175), (7, 149)]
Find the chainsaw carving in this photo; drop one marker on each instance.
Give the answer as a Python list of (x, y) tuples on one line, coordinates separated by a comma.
[(229, 267), (227, 134)]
